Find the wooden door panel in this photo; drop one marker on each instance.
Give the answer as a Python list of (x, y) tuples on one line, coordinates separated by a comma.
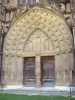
[(30, 73), (47, 72), (29, 70)]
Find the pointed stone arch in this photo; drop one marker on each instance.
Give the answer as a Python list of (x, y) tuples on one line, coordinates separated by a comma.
[(46, 22), (38, 18)]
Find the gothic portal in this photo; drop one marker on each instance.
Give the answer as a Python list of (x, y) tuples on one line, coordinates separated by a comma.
[(38, 50)]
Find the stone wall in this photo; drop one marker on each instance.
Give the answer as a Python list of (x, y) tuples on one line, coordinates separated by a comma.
[(23, 37), (64, 66)]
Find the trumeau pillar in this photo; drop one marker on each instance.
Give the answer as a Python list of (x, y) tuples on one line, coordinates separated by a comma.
[(38, 71)]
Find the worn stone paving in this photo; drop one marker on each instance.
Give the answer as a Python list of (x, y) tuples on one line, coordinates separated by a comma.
[(36, 92)]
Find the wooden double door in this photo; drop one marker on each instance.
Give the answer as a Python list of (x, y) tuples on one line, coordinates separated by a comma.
[(46, 67)]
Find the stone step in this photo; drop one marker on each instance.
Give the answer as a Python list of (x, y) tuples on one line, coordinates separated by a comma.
[(36, 92)]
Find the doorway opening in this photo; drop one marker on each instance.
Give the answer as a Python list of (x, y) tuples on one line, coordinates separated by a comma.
[(48, 71), (29, 71)]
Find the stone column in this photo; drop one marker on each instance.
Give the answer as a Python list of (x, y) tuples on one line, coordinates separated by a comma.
[(38, 71)]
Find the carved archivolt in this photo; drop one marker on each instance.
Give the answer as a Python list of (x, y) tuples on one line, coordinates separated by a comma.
[(38, 25)]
